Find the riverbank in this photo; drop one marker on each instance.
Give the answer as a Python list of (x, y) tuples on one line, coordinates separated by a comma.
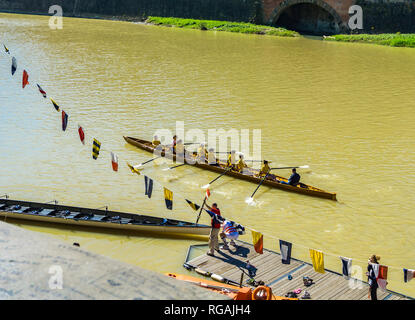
[(214, 25), (386, 39), (36, 266)]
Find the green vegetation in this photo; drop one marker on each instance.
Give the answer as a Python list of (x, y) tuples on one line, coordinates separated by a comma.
[(387, 39), (240, 27)]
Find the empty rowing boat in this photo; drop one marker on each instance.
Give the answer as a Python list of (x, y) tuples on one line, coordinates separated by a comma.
[(53, 213), (249, 174)]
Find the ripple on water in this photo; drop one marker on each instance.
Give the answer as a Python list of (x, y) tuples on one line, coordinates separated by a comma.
[(341, 109)]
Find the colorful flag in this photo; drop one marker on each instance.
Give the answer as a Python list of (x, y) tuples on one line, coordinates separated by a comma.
[(381, 275), (81, 134), (95, 149), (114, 161), (5, 48), (133, 169), (14, 65), (346, 267), (168, 197), (55, 104), (285, 249), (193, 205), (317, 257), (258, 241), (148, 182), (207, 193), (408, 275), (42, 91), (64, 120), (25, 80)]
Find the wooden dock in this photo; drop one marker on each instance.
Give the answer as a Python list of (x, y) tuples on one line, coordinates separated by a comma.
[(269, 268)]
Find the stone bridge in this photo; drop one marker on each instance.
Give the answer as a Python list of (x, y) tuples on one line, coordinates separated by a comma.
[(310, 16)]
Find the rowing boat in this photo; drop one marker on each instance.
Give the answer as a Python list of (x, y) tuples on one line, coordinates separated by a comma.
[(232, 291), (53, 213), (249, 174)]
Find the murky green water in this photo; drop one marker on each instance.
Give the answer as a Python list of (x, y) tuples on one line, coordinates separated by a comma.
[(346, 110)]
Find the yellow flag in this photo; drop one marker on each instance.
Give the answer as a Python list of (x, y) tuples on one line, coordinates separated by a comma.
[(258, 240), (168, 197), (133, 170), (317, 257)]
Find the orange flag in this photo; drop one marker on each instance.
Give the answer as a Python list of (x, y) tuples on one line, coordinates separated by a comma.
[(25, 79), (258, 240)]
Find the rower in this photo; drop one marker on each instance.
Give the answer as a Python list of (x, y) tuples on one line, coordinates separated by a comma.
[(212, 157), (265, 169), (202, 154), (179, 149), (172, 146), (156, 141), (240, 165), (231, 160), (294, 178)]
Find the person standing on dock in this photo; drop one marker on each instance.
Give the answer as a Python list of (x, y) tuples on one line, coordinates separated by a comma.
[(214, 232), (372, 277)]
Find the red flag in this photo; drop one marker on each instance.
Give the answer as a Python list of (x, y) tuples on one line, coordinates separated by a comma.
[(81, 134), (382, 276), (207, 193), (114, 161), (25, 79), (64, 120)]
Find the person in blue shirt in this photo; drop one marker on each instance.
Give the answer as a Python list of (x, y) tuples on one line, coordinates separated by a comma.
[(294, 179)]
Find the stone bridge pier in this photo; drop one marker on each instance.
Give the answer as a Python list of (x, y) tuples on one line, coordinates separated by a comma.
[(309, 16)]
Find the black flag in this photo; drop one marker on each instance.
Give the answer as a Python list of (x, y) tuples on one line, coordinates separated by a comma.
[(148, 185)]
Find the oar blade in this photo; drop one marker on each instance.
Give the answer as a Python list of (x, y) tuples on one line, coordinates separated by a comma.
[(206, 186), (249, 200)]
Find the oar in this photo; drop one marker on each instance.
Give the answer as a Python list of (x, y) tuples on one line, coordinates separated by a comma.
[(165, 169), (301, 167), (222, 174), (143, 163), (190, 143), (251, 198), (201, 208)]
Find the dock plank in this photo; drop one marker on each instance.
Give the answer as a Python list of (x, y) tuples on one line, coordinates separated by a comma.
[(270, 269)]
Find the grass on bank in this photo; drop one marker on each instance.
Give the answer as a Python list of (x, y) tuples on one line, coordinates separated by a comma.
[(387, 39), (239, 27)]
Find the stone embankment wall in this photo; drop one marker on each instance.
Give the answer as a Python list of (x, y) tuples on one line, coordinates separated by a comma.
[(315, 16)]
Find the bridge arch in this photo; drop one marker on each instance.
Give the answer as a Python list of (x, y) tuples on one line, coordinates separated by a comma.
[(308, 16)]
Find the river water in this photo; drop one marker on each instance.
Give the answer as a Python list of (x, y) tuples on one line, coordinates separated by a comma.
[(346, 110)]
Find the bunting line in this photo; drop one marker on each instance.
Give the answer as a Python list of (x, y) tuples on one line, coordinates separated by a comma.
[(317, 256)]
